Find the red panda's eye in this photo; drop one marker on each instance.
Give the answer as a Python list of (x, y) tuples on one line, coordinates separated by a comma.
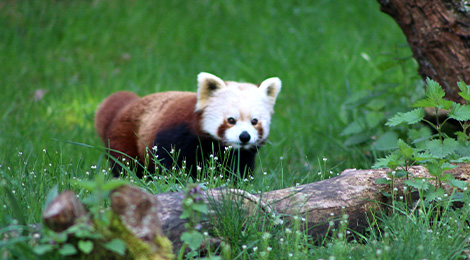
[(254, 121), (231, 120)]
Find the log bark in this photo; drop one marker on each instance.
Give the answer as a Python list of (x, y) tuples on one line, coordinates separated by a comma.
[(353, 193), (438, 33)]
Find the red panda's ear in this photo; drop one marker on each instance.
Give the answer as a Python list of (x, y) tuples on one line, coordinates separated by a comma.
[(271, 87), (207, 84)]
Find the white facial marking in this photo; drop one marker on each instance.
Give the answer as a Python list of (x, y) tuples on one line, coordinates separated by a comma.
[(242, 102)]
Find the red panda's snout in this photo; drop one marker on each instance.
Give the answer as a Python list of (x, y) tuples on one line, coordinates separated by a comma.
[(242, 135)]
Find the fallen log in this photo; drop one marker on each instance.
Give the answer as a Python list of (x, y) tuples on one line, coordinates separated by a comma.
[(353, 193)]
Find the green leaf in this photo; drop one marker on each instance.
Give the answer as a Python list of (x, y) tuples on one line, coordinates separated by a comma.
[(432, 194), (460, 112), (401, 173), (113, 184), (434, 96), (357, 126), (442, 150), (67, 249), (386, 194), (416, 183), (420, 136), (117, 246), (458, 183), (405, 150), (412, 117), (383, 181), (424, 103), (193, 239), (86, 246), (185, 214), (387, 141), (434, 169), (465, 90), (434, 91), (88, 185), (42, 249), (200, 207), (374, 118), (357, 139)]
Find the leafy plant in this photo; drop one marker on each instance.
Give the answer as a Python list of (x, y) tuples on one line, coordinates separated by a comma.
[(436, 151), (193, 208)]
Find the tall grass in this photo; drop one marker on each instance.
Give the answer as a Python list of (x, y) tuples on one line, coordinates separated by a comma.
[(60, 59)]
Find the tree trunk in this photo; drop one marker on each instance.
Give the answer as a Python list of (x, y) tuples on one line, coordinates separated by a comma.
[(354, 193), (438, 33)]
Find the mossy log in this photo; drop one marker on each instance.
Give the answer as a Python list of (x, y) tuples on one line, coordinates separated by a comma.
[(354, 193)]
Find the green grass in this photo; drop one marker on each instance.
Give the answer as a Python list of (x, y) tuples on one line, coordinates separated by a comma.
[(79, 52)]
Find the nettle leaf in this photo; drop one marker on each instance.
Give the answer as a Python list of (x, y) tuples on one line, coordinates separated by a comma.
[(432, 194), (405, 149), (383, 181), (411, 117), (357, 139), (434, 169), (200, 207), (391, 161), (117, 246), (420, 136), (443, 149), (355, 127), (465, 90), (458, 184), (421, 184), (387, 141), (434, 96), (193, 239), (433, 89), (460, 112), (424, 103)]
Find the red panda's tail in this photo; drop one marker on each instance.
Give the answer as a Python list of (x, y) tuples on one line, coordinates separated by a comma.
[(108, 110)]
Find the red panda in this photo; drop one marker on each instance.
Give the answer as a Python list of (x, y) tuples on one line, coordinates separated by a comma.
[(222, 116)]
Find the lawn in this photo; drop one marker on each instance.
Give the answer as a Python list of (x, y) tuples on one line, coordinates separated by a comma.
[(340, 63)]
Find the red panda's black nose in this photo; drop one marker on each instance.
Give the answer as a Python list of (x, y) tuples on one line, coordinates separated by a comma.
[(244, 137)]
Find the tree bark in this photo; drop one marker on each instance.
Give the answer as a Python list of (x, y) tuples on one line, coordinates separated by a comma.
[(354, 193), (438, 32)]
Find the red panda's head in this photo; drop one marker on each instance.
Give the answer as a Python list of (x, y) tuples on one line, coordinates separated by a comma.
[(237, 114)]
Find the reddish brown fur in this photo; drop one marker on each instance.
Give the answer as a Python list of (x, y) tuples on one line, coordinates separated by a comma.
[(130, 123)]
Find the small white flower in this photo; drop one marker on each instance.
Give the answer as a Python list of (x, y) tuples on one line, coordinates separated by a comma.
[(269, 249), (325, 159), (266, 235), (243, 246), (255, 248)]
